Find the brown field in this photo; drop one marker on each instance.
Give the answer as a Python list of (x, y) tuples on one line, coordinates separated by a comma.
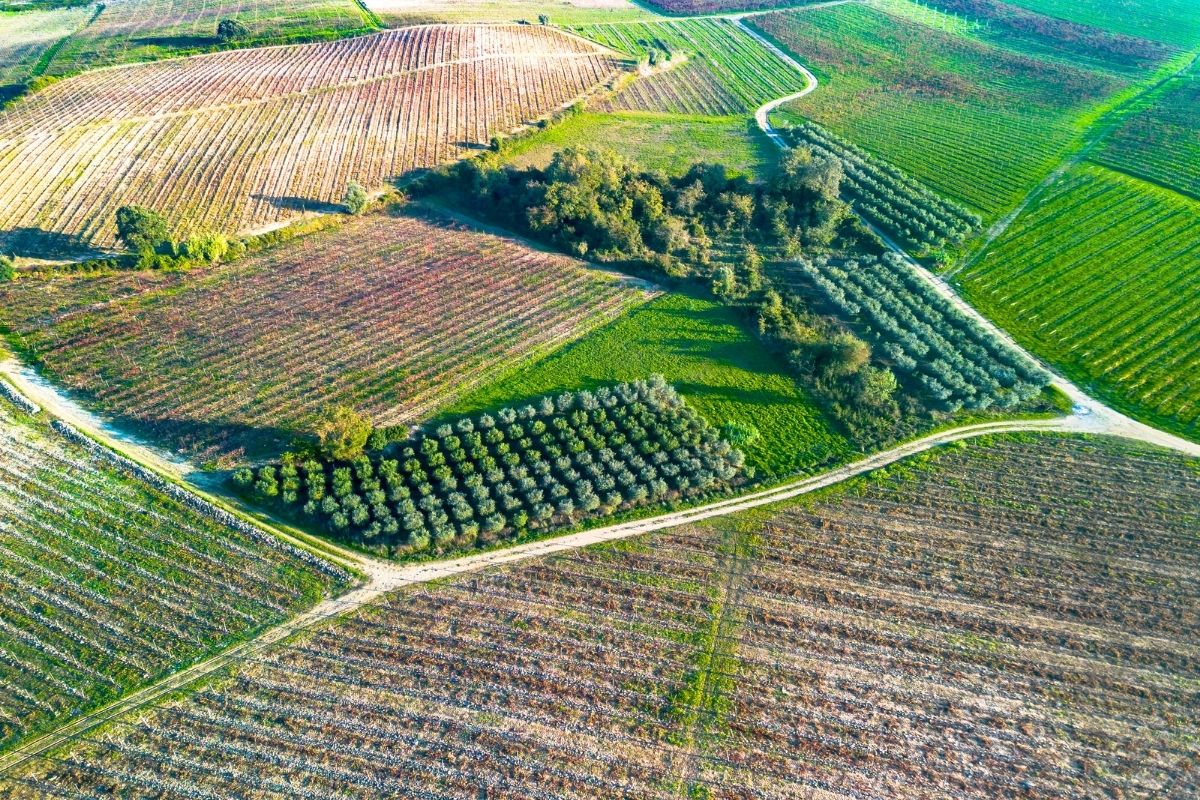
[(392, 315), (248, 138), (1013, 619)]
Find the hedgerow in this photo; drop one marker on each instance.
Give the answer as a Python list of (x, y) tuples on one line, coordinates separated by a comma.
[(485, 478)]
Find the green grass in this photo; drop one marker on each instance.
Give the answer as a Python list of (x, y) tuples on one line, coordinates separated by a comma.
[(718, 366), (1170, 21), (667, 142), (978, 123), (1101, 275), (719, 68), (144, 30), (561, 12), (1161, 141), (27, 36)]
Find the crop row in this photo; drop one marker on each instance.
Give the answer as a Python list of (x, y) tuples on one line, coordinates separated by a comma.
[(726, 70), (902, 207), (1100, 275), (950, 356), (483, 479), (109, 580), (978, 123), (1161, 141), (392, 315), (238, 151)]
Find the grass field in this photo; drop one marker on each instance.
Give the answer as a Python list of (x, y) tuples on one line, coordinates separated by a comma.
[(393, 316), (1171, 21), (701, 348), (139, 30), (107, 583), (27, 37), (668, 142), (1161, 140), (981, 625), (976, 122), (723, 70), (239, 140), (561, 12), (1100, 277)]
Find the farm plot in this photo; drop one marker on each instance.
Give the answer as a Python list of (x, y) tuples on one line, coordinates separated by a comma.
[(249, 138), (26, 36), (142, 30), (391, 315), (723, 70), (982, 624), (561, 12), (107, 583), (976, 122), (1099, 276), (1161, 142), (1169, 21)]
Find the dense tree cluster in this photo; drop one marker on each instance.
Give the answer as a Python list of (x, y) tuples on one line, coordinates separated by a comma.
[(481, 479), (954, 361), (595, 203), (903, 208)]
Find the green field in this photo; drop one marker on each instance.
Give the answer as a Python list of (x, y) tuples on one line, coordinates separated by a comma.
[(700, 347), (1161, 141), (978, 123), (717, 68), (26, 38), (667, 142), (396, 13), (1101, 275), (140, 30), (1171, 21)]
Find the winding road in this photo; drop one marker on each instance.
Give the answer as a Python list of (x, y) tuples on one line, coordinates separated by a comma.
[(381, 577)]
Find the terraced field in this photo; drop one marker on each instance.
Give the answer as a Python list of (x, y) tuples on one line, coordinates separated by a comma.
[(138, 30), (1161, 142), (978, 123), (107, 583), (393, 315), (238, 140), (981, 624), (1100, 276), (719, 68)]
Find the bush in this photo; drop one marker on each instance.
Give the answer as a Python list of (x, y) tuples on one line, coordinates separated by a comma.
[(8, 270), (356, 198), (141, 229), (207, 247), (230, 29), (343, 433)]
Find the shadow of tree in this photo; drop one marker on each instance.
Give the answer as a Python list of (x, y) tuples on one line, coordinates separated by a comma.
[(300, 204), (38, 243)]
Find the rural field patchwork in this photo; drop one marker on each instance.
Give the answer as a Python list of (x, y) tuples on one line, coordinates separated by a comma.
[(107, 583), (234, 141), (979, 624), (27, 38)]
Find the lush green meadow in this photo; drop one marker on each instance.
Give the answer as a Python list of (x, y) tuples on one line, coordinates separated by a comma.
[(723, 70), (977, 122), (1101, 275), (1171, 21), (702, 349), (1161, 141), (668, 142)]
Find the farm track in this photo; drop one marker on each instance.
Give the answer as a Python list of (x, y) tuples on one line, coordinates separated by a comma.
[(1089, 416)]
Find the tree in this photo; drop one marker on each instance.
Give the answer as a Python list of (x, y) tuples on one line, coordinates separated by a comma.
[(356, 198), (739, 434), (343, 433), (846, 354), (141, 229), (874, 387), (543, 19), (8, 270), (230, 29)]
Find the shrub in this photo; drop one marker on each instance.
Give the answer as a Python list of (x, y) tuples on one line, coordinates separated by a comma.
[(343, 433), (230, 29), (141, 229), (356, 198)]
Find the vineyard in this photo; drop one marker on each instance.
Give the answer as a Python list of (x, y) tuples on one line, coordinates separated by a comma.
[(1100, 276), (1161, 142), (562, 12), (26, 37), (949, 356), (889, 199), (248, 138), (1169, 21), (481, 480), (982, 624), (107, 583), (724, 70), (976, 122), (140, 30), (391, 315)]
